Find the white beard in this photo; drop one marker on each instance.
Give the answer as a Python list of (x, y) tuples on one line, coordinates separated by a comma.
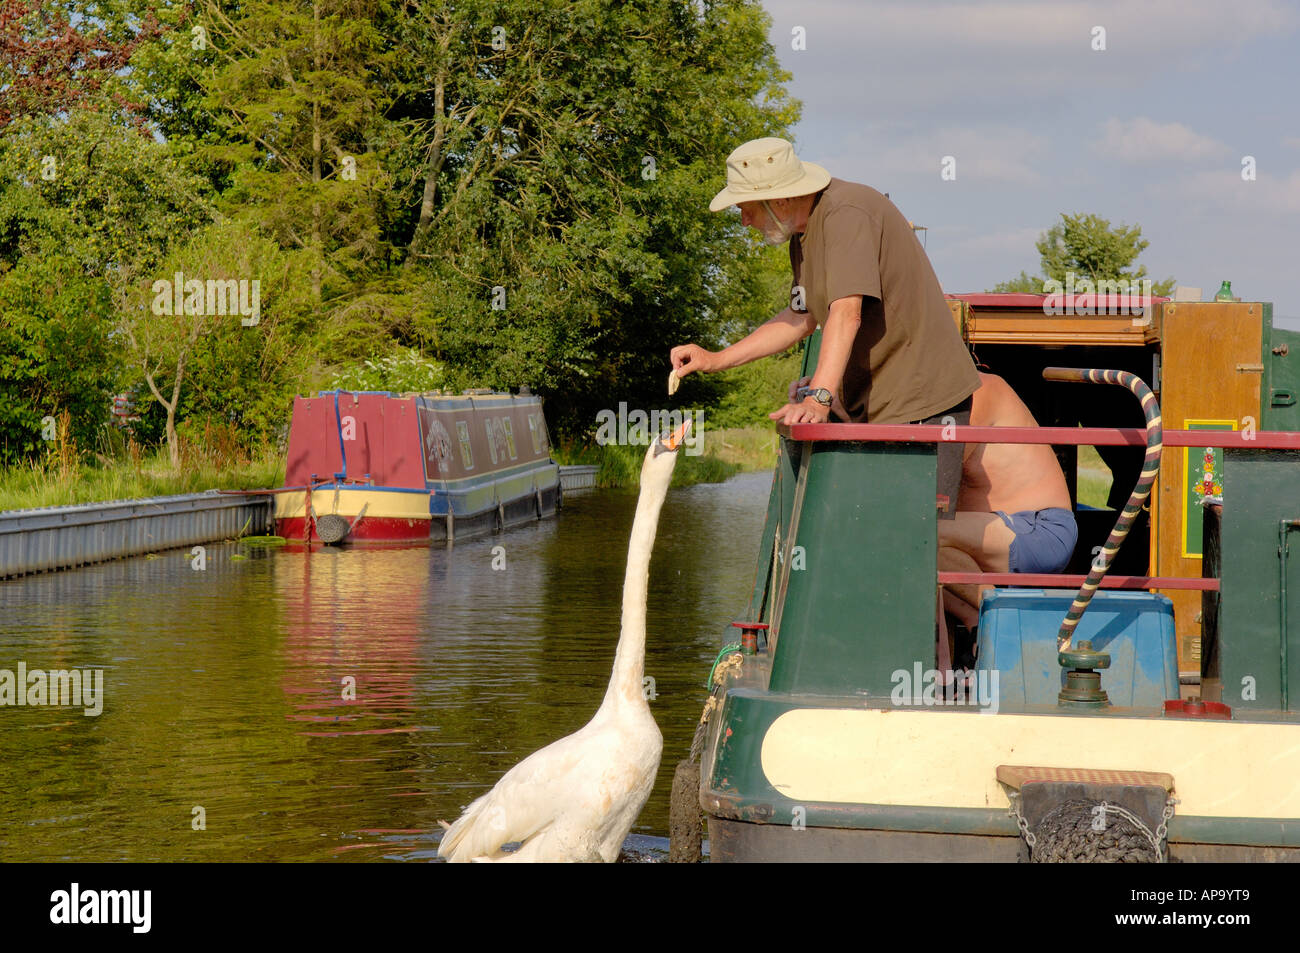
[(776, 233)]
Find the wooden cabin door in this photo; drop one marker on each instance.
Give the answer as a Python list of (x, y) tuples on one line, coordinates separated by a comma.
[(1211, 373)]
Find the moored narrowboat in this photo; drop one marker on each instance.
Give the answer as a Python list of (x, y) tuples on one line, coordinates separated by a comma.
[(838, 730), (383, 467)]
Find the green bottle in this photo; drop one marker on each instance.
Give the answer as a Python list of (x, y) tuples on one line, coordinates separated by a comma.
[(1225, 292)]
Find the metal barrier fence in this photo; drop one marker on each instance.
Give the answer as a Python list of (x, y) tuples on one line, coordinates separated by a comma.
[(61, 537), (578, 477)]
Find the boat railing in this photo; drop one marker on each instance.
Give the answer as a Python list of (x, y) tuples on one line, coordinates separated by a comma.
[(1059, 436), (1062, 436)]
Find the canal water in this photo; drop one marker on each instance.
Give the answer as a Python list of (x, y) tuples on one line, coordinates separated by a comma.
[(224, 688)]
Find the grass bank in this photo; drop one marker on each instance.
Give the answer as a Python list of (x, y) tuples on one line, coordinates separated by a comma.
[(724, 453), (57, 485)]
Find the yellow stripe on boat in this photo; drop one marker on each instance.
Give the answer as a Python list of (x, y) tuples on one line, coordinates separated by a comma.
[(380, 504)]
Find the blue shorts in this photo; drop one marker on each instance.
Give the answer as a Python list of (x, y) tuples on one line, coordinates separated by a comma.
[(1044, 539)]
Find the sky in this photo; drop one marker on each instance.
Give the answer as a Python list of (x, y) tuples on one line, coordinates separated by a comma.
[(1151, 130)]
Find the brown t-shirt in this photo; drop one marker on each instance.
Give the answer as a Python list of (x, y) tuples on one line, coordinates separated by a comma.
[(908, 360)]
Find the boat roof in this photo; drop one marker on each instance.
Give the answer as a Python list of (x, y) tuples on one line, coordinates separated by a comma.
[(429, 394), (1022, 300)]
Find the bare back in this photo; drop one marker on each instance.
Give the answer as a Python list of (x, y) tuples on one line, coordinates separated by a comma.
[(1012, 477)]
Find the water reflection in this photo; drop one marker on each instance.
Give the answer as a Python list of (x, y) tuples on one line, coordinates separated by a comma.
[(229, 691)]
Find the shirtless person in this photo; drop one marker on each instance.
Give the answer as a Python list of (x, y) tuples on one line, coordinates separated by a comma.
[(1013, 511)]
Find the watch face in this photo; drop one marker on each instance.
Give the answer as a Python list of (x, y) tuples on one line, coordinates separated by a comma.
[(819, 394)]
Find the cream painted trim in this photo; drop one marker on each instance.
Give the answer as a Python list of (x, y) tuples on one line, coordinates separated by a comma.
[(949, 758), (407, 506)]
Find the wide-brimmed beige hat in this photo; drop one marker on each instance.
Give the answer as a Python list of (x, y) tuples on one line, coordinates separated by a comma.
[(765, 169)]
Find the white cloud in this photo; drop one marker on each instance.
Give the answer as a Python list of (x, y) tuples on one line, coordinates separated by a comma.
[(1144, 140)]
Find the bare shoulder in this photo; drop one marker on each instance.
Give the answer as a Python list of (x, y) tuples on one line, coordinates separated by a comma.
[(992, 386), (996, 404)]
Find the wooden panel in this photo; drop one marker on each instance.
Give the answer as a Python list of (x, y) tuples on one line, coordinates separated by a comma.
[(1033, 327), (1210, 369)]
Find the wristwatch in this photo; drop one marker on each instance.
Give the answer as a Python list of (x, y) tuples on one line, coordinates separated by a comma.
[(819, 394)]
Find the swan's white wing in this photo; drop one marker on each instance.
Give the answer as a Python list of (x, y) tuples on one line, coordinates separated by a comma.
[(530, 796)]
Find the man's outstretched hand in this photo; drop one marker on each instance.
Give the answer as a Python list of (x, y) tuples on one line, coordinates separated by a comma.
[(689, 358), (807, 411), (793, 392)]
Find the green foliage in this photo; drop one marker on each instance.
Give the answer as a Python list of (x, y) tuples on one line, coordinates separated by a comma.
[(1090, 247), (297, 91), (56, 354), (405, 371), (106, 196), (751, 448), (572, 170), (620, 466), (754, 390), (168, 76), (86, 207)]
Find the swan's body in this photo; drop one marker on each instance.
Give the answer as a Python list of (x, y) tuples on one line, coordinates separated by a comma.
[(576, 799)]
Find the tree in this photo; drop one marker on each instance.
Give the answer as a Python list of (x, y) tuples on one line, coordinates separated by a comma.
[(563, 156), (84, 186), (48, 64), (298, 88), (56, 354), (83, 201), (227, 290), (1089, 247)]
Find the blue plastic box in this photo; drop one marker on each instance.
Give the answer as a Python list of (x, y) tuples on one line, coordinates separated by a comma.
[(1017, 638)]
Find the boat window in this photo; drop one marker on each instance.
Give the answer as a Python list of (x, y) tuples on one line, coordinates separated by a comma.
[(466, 454), (532, 433), (492, 444), (509, 428)]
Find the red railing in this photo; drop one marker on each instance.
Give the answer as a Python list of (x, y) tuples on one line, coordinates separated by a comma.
[(1204, 584), (1078, 436), (1061, 436)]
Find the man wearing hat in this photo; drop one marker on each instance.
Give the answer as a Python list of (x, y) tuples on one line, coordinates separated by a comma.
[(890, 351)]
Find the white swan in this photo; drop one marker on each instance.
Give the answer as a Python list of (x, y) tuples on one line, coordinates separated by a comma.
[(576, 799)]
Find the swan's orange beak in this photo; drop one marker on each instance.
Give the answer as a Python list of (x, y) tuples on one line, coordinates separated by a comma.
[(674, 439)]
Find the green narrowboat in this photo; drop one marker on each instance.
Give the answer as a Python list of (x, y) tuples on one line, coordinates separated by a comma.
[(836, 732)]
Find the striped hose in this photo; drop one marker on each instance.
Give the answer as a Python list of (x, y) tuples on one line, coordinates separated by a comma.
[(1150, 467)]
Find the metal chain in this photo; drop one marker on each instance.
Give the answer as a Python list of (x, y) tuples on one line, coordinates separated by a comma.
[(1156, 839), (1023, 824), (1162, 830), (1108, 808)]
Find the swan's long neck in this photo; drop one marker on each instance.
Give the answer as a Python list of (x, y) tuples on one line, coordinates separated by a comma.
[(625, 686)]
